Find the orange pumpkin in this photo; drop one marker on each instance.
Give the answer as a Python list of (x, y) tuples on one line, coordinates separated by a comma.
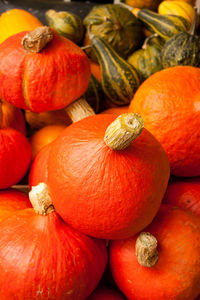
[(16, 20), (116, 110), (12, 117), (42, 79), (163, 262), (95, 70), (38, 170), (170, 105), (184, 194), (44, 136), (12, 200), (101, 190)]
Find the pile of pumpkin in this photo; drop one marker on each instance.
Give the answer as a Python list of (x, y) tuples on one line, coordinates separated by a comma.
[(109, 144)]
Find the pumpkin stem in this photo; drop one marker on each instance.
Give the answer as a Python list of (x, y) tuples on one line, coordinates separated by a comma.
[(146, 249), (123, 130), (79, 110), (192, 28), (37, 39), (41, 200), (146, 41)]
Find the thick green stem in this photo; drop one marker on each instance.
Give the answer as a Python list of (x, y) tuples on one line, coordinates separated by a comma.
[(37, 39), (123, 130), (146, 250)]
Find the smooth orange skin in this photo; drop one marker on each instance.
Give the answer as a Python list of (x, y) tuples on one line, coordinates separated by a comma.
[(12, 200), (176, 275), (116, 110), (44, 136), (184, 194), (38, 170), (48, 80), (15, 157), (45, 259), (95, 70), (169, 102), (104, 193), (105, 293), (12, 117)]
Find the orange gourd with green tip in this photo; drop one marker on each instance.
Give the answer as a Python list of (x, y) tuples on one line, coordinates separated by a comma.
[(101, 190)]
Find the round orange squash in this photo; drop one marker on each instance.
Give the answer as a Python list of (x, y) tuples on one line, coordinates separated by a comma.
[(162, 262), (102, 183), (12, 117), (169, 102), (38, 170), (12, 200), (16, 20), (185, 194), (40, 79), (116, 110), (44, 136)]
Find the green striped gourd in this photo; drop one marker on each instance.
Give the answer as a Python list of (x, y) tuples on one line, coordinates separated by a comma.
[(147, 60), (66, 24), (182, 49), (164, 25), (120, 80)]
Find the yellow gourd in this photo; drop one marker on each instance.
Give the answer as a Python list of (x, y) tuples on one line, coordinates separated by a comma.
[(179, 8), (16, 20)]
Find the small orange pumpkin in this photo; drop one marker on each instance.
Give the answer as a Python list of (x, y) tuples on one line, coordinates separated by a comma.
[(185, 194), (162, 262), (107, 189), (12, 200), (39, 79)]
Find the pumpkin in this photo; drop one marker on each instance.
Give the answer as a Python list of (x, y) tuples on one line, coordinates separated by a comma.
[(182, 49), (40, 120), (103, 292), (16, 20), (12, 117), (179, 8), (64, 263), (15, 156), (147, 60), (95, 70), (66, 24), (52, 78), (102, 183), (119, 79), (12, 200), (116, 25), (164, 25), (44, 136), (116, 110), (38, 170), (185, 194), (151, 4), (169, 103), (165, 257)]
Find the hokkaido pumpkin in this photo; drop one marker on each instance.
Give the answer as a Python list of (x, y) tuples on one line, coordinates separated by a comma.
[(116, 110), (44, 136), (105, 293), (12, 117), (16, 20), (12, 200), (44, 258), (42, 79), (101, 182), (185, 194), (169, 103), (162, 262), (38, 170)]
